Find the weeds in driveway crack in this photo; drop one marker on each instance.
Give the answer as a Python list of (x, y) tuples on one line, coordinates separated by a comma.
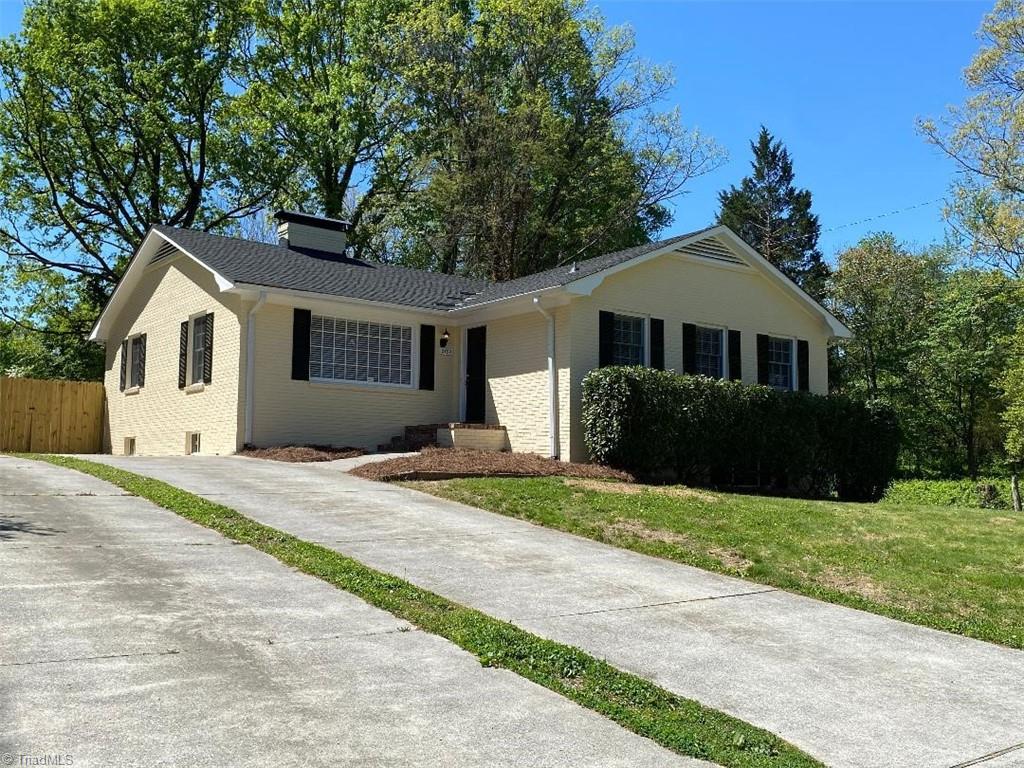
[(681, 725)]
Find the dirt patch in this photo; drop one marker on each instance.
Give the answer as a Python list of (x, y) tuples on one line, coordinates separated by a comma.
[(859, 585), (590, 484), (1003, 521), (448, 463), (301, 453), (731, 559)]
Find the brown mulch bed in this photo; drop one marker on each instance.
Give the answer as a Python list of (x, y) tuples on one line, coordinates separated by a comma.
[(300, 453), (447, 463)]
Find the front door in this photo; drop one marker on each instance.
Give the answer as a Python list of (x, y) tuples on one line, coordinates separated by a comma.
[(476, 373)]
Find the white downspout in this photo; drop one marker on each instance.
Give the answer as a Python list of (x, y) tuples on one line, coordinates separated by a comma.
[(250, 363), (552, 379)]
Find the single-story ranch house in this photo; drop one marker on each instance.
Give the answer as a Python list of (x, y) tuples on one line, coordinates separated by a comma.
[(215, 342)]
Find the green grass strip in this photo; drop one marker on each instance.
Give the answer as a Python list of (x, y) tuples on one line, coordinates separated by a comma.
[(676, 723)]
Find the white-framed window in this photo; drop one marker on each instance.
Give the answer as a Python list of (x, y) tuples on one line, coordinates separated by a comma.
[(709, 359), (198, 337), (136, 359), (360, 351), (628, 343), (133, 363), (780, 363)]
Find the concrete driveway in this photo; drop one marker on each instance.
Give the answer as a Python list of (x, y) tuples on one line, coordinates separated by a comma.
[(854, 689), (129, 636)]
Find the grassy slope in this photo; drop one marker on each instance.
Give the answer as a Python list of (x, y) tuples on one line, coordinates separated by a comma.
[(961, 570), (679, 724)]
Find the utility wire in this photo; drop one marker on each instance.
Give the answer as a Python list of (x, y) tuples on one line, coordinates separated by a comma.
[(884, 215)]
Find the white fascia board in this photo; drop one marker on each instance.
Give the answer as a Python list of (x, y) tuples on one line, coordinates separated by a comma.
[(133, 274), (222, 282), (492, 310), (508, 307), (290, 296)]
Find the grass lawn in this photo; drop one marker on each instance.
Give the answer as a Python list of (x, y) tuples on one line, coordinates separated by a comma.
[(676, 723), (952, 568)]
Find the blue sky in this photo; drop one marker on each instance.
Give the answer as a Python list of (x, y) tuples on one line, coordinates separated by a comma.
[(841, 83)]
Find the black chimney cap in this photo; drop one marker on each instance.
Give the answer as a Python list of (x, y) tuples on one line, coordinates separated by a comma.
[(335, 225)]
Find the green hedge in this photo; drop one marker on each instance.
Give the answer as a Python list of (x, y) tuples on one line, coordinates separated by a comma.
[(983, 493), (706, 431)]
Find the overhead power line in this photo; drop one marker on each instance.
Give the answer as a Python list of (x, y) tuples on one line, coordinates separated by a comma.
[(884, 215)]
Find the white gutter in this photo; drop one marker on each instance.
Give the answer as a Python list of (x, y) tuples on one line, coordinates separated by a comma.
[(552, 379), (250, 363)]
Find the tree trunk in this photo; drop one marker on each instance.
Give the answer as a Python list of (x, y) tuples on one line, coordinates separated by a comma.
[(1015, 492)]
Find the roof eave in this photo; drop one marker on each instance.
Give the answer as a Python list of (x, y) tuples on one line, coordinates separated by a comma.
[(133, 273)]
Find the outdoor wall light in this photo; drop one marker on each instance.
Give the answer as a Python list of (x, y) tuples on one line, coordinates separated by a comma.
[(444, 338)]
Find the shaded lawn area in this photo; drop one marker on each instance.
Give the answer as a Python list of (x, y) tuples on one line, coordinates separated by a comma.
[(952, 568)]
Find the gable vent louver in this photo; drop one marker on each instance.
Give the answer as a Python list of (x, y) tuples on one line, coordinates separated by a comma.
[(713, 249), (165, 250)]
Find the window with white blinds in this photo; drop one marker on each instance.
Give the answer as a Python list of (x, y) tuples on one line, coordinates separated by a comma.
[(359, 351)]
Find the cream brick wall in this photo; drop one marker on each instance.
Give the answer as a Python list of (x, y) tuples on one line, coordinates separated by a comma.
[(517, 379), (160, 414), (364, 416), (680, 291)]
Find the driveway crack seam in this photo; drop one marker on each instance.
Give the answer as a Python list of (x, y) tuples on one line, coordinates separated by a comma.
[(989, 756), (169, 652), (654, 605)]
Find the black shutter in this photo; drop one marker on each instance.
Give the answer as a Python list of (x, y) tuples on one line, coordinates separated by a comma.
[(762, 359), (658, 344), (124, 362), (301, 320), (142, 360), (735, 357), (803, 365), (183, 355), (606, 339), (427, 356), (689, 348), (208, 351)]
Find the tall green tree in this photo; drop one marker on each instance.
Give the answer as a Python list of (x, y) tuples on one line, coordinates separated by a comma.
[(775, 217), (985, 138), (1013, 415), (964, 355), (538, 139), (321, 103), (109, 123), (882, 290)]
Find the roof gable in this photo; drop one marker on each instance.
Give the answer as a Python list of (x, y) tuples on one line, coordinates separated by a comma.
[(722, 247)]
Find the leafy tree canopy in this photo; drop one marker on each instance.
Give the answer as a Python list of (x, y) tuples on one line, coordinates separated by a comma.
[(490, 137), (985, 137)]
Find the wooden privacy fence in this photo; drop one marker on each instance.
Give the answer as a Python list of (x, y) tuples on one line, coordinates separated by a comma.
[(51, 416)]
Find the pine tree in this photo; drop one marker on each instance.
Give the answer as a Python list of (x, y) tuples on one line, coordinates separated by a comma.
[(775, 217)]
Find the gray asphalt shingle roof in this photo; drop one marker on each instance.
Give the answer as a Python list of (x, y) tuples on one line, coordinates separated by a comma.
[(273, 266)]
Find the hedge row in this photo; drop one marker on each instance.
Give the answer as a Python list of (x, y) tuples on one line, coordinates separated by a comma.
[(706, 431)]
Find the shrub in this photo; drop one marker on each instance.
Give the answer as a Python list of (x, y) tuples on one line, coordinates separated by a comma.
[(987, 493), (727, 433)]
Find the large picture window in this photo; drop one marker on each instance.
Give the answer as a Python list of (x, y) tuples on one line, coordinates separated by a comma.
[(780, 363), (709, 352), (628, 348), (359, 351)]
